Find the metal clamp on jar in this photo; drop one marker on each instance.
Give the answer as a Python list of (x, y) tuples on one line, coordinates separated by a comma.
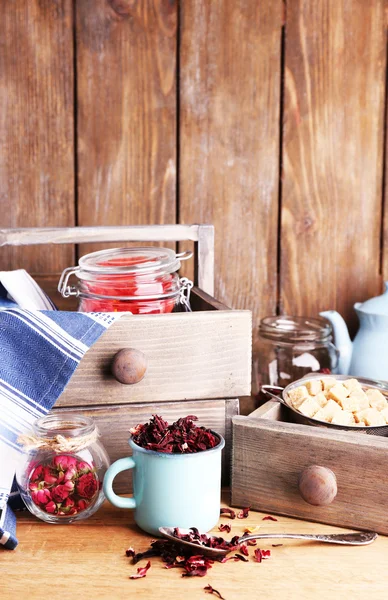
[(291, 347), (136, 280)]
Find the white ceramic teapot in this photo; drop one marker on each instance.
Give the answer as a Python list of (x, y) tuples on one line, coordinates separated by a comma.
[(367, 356)]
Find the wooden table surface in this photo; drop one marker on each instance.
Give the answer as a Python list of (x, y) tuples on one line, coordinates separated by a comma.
[(87, 560)]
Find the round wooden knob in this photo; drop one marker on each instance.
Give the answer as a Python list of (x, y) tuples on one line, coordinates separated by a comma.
[(129, 366), (317, 485)]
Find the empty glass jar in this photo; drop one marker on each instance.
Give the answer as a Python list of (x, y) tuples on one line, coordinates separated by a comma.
[(290, 347)]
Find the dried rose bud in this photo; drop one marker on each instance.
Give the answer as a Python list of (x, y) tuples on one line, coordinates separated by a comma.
[(69, 485), (61, 477), (48, 476), (83, 467), (36, 473), (60, 492), (60, 462), (51, 507), (70, 473), (82, 504), (68, 503), (43, 496)]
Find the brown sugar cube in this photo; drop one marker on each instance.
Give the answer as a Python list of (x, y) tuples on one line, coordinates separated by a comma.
[(328, 382), (361, 398), (321, 416), (321, 399), (343, 417), (309, 407), (338, 392), (298, 395), (376, 399), (352, 385), (351, 404), (314, 386), (329, 411), (384, 413), (370, 416)]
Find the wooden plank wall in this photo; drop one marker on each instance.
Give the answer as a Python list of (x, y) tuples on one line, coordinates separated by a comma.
[(264, 117)]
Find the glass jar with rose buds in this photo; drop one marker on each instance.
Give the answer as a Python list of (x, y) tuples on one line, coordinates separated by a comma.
[(60, 476)]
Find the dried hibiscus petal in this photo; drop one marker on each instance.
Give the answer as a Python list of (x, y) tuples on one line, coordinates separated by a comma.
[(244, 513), (182, 437), (141, 572), (210, 590), (262, 554), (239, 557), (130, 552), (225, 527), (244, 549), (251, 542), (197, 566), (269, 518), (228, 512)]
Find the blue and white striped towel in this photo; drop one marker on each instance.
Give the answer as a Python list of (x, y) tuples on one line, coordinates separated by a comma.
[(39, 352)]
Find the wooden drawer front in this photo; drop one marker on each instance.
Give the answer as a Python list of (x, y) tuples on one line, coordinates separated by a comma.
[(190, 355), (268, 456), (114, 423)]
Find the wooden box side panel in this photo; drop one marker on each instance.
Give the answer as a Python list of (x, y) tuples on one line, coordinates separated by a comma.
[(268, 456), (115, 421), (190, 355)]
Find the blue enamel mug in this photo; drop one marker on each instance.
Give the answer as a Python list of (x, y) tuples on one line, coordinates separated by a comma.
[(170, 490)]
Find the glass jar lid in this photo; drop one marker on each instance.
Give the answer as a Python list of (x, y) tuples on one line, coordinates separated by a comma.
[(132, 261), (295, 329)]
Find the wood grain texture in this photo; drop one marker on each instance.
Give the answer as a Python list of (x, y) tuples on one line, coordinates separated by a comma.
[(36, 125), (190, 355), (126, 89), (268, 456), (229, 141), (115, 421), (332, 155), (92, 554)]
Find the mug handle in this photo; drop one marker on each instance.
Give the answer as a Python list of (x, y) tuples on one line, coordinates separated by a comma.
[(123, 464)]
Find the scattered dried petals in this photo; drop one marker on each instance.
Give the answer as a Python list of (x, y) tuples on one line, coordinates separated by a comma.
[(141, 572), (252, 529), (244, 513), (276, 545), (262, 554), (130, 552), (254, 542), (228, 512), (269, 518), (210, 590), (225, 527)]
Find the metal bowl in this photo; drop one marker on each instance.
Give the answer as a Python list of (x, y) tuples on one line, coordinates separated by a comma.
[(297, 417)]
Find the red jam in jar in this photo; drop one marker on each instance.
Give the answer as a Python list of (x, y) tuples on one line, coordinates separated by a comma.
[(136, 280)]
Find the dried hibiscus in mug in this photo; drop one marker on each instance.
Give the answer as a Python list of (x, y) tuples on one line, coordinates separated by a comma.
[(182, 437)]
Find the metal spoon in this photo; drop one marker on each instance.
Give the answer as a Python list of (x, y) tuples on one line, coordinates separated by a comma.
[(352, 539)]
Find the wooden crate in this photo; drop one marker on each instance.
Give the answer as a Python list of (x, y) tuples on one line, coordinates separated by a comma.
[(269, 454), (197, 363)]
